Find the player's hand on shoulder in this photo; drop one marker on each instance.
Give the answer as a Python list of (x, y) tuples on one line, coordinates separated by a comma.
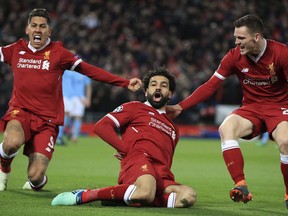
[(134, 84), (173, 110)]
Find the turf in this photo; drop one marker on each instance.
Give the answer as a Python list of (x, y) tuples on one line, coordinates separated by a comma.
[(197, 163)]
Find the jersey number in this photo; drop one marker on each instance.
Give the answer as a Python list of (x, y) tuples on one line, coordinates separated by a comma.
[(285, 111), (50, 145)]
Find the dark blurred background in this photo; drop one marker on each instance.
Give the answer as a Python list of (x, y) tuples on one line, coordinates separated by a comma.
[(130, 37)]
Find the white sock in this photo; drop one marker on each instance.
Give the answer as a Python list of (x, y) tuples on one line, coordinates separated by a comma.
[(128, 193), (229, 144), (40, 185), (5, 156), (171, 200), (284, 159)]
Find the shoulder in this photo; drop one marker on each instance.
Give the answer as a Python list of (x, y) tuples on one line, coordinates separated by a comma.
[(275, 44), (57, 44), (133, 104), (20, 42), (234, 51), (129, 106), (232, 54), (278, 50)]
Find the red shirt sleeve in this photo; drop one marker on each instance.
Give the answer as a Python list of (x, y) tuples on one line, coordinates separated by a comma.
[(6, 52), (202, 93), (106, 130), (99, 74)]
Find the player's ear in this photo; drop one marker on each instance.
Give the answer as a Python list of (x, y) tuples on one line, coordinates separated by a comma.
[(257, 36), (27, 30), (49, 32)]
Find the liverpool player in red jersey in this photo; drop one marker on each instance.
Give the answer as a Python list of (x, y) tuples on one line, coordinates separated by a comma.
[(147, 144), (262, 68), (36, 107)]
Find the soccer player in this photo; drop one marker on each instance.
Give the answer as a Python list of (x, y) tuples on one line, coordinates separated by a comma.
[(36, 106), (77, 92), (262, 68), (146, 147)]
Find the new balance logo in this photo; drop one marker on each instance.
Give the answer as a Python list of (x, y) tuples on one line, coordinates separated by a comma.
[(245, 70), (22, 52), (151, 113)]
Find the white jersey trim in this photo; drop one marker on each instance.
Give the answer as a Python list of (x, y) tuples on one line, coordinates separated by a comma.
[(260, 54), (219, 76), (114, 120), (76, 64), (158, 110), (1, 55)]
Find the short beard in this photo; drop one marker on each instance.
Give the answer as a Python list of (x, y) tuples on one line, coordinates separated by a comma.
[(157, 105)]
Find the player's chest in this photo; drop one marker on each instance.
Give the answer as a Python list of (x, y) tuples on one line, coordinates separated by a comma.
[(44, 62), (262, 69), (156, 122)]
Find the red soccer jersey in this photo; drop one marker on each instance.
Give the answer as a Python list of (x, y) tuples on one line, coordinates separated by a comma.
[(143, 128), (38, 77), (263, 80)]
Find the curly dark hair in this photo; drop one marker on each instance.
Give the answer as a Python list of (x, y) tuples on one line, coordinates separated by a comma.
[(159, 71), (41, 12)]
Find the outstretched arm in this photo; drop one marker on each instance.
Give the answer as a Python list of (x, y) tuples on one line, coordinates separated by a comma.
[(101, 75), (202, 93)]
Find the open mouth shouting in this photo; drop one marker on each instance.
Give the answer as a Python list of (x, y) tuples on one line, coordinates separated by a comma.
[(157, 99), (157, 96), (37, 39)]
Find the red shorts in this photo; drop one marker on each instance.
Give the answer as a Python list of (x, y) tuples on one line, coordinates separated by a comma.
[(263, 117), (138, 163), (40, 135)]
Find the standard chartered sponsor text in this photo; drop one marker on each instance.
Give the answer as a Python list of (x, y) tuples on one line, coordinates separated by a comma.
[(161, 125), (29, 63)]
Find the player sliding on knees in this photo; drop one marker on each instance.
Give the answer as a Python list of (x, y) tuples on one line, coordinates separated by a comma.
[(146, 149)]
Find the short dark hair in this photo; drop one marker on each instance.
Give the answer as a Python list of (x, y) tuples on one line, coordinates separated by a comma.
[(253, 23), (41, 12), (159, 71)]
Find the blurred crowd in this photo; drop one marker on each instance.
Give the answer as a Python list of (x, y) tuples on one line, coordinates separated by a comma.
[(130, 37)]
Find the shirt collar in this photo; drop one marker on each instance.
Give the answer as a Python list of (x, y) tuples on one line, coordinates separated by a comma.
[(34, 49), (255, 59), (158, 110)]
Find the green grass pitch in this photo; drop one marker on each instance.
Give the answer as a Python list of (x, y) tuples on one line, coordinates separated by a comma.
[(197, 163)]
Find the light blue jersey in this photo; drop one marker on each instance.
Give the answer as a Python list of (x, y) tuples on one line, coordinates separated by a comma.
[(74, 84), (74, 87)]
